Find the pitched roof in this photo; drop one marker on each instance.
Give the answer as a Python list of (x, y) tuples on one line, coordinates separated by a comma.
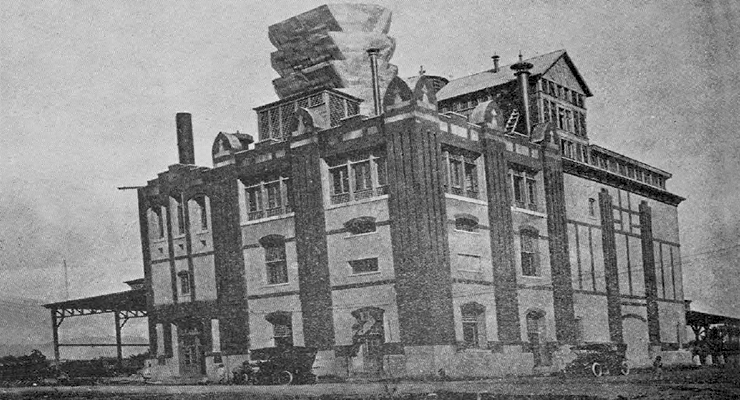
[(486, 79)]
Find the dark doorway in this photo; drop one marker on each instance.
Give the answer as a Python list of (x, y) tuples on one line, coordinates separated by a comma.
[(192, 354)]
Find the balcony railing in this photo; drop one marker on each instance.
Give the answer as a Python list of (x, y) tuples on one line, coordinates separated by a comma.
[(359, 195), (270, 212)]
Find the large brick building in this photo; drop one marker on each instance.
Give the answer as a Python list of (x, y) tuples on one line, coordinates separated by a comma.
[(408, 225)]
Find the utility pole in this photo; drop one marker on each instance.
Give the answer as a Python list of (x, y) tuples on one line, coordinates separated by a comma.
[(66, 281)]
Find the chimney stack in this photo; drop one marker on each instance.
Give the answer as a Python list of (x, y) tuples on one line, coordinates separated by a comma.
[(495, 62), (522, 72), (185, 149), (373, 54)]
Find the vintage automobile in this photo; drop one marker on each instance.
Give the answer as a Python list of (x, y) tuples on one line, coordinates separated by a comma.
[(598, 359), (278, 366)]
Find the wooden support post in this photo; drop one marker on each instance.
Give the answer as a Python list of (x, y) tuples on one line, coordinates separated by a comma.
[(119, 352), (55, 333)]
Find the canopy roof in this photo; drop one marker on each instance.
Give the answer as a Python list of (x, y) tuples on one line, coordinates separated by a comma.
[(700, 318), (129, 300)]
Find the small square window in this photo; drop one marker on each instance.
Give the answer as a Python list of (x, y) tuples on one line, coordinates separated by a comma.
[(364, 266)]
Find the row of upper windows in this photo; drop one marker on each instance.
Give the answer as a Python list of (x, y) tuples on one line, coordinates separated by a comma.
[(582, 153), (365, 176), (568, 120), (198, 207), (563, 93)]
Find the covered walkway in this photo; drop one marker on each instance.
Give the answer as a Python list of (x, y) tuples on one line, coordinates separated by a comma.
[(123, 305)]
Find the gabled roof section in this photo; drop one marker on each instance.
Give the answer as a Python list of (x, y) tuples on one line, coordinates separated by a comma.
[(486, 79)]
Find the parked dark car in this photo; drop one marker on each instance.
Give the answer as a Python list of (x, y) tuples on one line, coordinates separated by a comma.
[(278, 366), (598, 359)]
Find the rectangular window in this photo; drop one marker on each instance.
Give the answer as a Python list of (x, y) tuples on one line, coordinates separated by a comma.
[(361, 177), (184, 282), (519, 196), (180, 218), (382, 173), (545, 110), (524, 185), (364, 266), (455, 175), (203, 213), (474, 325), (254, 202), (553, 112), (561, 118), (277, 269), (274, 199), (471, 179), (157, 213), (268, 199), (529, 253), (583, 123), (470, 330), (462, 174)]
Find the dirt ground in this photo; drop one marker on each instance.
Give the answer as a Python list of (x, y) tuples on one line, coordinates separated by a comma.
[(694, 383)]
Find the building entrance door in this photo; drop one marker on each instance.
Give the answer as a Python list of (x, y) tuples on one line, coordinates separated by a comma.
[(192, 356)]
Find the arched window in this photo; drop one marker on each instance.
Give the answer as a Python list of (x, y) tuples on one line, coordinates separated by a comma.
[(201, 208), (156, 222), (474, 325), (360, 225), (178, 217), (282, 328), (275, 260), (529, 251), (466, 223)]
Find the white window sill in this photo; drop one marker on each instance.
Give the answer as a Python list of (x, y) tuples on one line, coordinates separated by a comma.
[(528, 211), (470, 271), (275, 285), (466, 199), (464, 231), (358, 235), (268, 219), (356, 202), (365, 273)]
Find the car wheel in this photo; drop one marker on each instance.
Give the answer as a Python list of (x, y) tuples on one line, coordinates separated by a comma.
[(597, 369), (624, 368), (284, 378)]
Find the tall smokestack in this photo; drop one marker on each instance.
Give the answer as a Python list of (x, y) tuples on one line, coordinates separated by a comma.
[(522, 72), (495, 62), (373, 54), (185, 149)]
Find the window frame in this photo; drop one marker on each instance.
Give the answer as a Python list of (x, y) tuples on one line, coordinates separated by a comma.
[(461, 173), (473, 321), (529, 245), (524, 189), (357, 266), (259, 197), (346, 173), (185, 282), (276, 260)]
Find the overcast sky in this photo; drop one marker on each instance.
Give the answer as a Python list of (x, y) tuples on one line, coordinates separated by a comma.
[(90, 90)]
